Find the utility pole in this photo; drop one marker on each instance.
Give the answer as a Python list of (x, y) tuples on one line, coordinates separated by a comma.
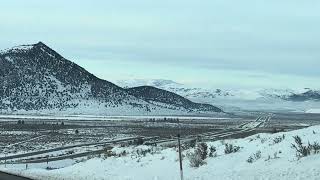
[(47, 161), (180, 156), (5, 161)]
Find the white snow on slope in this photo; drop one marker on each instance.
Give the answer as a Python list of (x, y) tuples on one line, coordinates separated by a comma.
[(147, 82), (92, 107), (17, 49), (313, 111), (163, 165)]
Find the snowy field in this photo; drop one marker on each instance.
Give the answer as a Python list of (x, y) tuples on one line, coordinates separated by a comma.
[(314, 111), (272, 158), (91, 153), (39, 133)]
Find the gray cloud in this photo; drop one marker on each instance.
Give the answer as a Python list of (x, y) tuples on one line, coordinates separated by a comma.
[(262, 38)]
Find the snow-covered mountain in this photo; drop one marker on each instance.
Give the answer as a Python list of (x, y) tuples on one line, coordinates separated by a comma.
[(35, 78), (163, 98), (313, 95), (239, 99), (160, 83)]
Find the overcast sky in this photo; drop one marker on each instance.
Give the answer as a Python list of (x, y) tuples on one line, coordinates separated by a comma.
[(213, 43)]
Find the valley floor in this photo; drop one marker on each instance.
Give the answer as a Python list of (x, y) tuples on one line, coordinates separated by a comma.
[(278, 161)]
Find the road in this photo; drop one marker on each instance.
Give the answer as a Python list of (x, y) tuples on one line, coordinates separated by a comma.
[(7, 176), (261, 121), (210, 135), (245, 128), (83, 154), (65, 147)]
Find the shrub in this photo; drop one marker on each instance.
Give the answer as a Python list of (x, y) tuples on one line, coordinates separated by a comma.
[(190, 144), (278, 139), (275, 156), (263, 140), (301, 150), (230, 148), (223, 142), (257, 155), (138, 141), (108, 153), (315, 147), (90, 156), (123, 153), (305, 150), (203, 150), (197, 157), (212, 151), (143, 152), (250, 159), (269, 157), (70, 152), (254, 157)]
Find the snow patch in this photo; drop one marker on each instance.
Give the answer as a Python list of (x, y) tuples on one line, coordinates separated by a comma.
[(313, 111), (9, 59)]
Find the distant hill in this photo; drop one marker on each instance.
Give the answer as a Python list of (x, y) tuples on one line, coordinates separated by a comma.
[(310, 95), (233, 99), (155, 96)]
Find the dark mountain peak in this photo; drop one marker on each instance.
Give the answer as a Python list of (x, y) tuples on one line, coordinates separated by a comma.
[(42, 48), (35, 77), (41, 45)]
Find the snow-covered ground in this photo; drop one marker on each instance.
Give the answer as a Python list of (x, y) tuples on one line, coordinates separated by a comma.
[(278, 161), (313, 111)]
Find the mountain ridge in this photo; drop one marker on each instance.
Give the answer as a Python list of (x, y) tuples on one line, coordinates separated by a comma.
[(150, 94), (35, 78), (257, 99)]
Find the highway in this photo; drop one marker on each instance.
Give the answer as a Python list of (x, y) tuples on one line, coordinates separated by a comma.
[(222, 134), (7, 176), (261, 121), (69, 147)]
